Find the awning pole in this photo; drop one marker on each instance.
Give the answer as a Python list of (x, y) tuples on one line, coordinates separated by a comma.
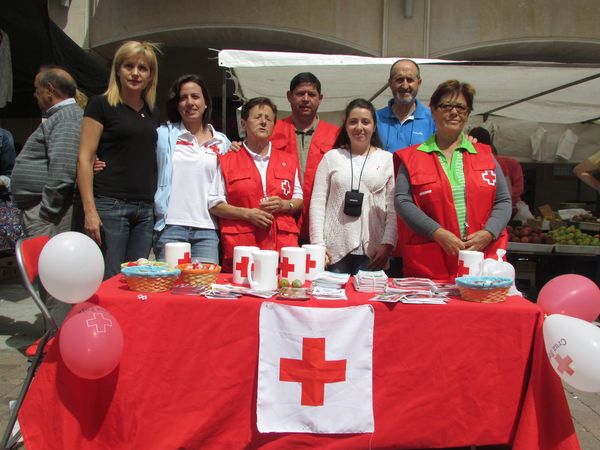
[(223, 101)]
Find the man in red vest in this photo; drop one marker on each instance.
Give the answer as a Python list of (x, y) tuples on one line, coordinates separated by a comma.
[(304, 131)]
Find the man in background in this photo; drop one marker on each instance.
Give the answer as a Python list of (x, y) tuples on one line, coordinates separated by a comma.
[(511, 168), (43, 179), (405, 121)]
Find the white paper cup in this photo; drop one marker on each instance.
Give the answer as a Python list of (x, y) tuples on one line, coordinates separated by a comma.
[(292, 264), (264, 276), (315, 260), (178, 253), (241, 257), (469, 263)]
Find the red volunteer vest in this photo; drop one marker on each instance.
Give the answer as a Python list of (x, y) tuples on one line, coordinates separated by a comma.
[(243, 188), (322, 141), (432, 193)]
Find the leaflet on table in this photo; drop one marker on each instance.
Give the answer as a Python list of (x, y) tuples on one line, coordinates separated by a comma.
[(230, 289), (322, 293), (418, 298)]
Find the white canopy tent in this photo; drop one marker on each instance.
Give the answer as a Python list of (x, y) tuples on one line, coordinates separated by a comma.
[(541, 92), (524, 98)]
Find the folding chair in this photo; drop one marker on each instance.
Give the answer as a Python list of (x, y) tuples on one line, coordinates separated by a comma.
[(28, 255)]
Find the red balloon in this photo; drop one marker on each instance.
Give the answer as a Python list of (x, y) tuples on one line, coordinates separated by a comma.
[(571, 295), (91, 342)]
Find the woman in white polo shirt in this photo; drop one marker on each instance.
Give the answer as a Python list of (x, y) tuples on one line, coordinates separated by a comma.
[(187, 152)]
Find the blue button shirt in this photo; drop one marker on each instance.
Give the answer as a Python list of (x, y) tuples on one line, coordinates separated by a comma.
[(396, 136)]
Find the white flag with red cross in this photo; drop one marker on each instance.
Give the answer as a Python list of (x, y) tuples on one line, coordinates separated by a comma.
[(315, 369)]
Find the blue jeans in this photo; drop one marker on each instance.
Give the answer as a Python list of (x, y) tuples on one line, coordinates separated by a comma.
[(126, 231), (204, 242), (350, 264)]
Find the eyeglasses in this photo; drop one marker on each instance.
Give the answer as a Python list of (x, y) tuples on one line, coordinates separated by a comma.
[(447, 107)]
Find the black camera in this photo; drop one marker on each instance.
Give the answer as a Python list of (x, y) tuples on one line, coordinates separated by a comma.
[(353, 203)]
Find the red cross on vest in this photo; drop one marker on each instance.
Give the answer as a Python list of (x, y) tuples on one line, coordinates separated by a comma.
[(489, 176), (242, 266), (99, 322), (313, 371), (564, 365), (186, 258), (286, 267), (310, 263), (462, 269)]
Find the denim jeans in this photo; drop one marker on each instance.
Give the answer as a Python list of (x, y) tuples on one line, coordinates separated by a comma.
[(350, 264), (204, 242), (126, 231)]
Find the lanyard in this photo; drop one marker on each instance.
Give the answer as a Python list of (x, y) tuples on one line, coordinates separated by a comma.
[(361, 170)]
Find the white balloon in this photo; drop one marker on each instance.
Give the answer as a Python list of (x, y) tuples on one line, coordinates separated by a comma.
[(71, 267), (573, 347)]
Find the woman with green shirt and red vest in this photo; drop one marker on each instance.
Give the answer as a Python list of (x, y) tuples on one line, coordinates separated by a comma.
[(257, 191), (450, 193)]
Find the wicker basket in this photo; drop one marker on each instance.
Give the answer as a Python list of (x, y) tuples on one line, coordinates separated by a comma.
[(483, 289), (150, 278), (198, 274)]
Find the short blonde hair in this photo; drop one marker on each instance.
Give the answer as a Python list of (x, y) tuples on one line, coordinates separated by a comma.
[(126, 51)]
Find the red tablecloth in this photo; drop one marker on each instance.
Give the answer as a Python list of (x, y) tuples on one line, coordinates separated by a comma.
[(443, 375)]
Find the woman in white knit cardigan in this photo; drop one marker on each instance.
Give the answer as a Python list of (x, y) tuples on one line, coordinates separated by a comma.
[(352, 206)]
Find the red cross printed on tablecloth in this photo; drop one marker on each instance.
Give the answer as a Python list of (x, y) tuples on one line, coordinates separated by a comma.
[(286, 267), (564, 364), (186, 258), (462, 269), (99, 322), (310, 263), (242, 266), (313, 371), (489, 176)]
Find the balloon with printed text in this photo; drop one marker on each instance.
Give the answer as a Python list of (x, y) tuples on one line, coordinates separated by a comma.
[(573, 348)]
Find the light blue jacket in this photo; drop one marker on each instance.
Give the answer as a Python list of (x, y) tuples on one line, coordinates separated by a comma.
[(165, 146)]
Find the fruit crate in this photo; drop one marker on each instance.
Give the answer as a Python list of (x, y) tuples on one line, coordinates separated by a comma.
[(530, 248), (577, 249)]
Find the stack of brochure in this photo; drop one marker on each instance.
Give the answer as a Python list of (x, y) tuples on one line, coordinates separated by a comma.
[(417, 291), (370, 281), (331, 280)]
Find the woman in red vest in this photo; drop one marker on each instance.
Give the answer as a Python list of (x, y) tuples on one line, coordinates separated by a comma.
[(450, 193), (257, 192)]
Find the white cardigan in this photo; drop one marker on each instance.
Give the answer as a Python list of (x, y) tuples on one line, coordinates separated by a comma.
[(343, 234)]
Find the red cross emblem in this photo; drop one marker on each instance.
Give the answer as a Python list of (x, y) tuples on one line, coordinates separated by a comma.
[(462, 269), (564, 365), (214, 148), (286, 187), (286, 267), (489, 176), (186, 259), (310, 263), (312, 371), (99, 322), (242, 266)]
